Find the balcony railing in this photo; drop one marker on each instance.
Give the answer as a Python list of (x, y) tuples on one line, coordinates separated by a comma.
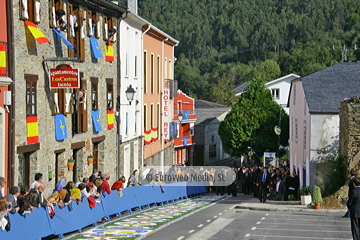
[(172, 85), (186, 113)]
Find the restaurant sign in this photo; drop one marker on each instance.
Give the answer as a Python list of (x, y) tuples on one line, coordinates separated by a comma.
[(64, 76)]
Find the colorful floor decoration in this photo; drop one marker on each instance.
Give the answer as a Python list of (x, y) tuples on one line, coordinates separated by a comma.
[(139, 225)]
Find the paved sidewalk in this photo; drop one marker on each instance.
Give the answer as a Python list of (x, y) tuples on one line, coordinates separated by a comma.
[(254, 204)]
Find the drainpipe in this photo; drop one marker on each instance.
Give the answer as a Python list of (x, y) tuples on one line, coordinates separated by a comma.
[(142, 95), (11, 72), (162, 83), (118, 84), (173, 68)]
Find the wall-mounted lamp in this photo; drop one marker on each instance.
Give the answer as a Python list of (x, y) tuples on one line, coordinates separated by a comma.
[(180, 116)]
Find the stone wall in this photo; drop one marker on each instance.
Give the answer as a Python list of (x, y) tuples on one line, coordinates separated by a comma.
[(349, 145), (30, 60)]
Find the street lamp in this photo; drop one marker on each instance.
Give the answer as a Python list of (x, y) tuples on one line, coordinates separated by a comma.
[(180, 116), (130, 92)]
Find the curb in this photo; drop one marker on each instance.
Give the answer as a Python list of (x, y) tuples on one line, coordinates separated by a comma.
[(292, 209)]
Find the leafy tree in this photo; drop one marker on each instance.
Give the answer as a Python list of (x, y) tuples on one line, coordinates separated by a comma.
[(251, 122)]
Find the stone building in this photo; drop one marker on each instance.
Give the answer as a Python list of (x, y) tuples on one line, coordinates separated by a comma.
[(44, 115)]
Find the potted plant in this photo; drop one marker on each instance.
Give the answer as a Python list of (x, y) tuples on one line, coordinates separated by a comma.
[(90, 159), (71, 163), (317, 198), (305, 195)]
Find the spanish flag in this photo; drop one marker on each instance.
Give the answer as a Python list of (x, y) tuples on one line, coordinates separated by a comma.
[(36, 32), (2, 58), (109, 52), (154, 134), (32, 128), (147, 137), (110, 118)]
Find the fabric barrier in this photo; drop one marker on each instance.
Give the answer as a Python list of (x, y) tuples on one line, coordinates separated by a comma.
[(38, 224)]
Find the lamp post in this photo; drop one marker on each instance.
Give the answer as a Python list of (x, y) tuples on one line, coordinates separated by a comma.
[(180, 116)]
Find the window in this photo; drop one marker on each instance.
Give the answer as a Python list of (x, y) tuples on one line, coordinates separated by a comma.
[(54, 6), (136, 119), (76, 31), (79, 117), (93, 29), (109, 24), (304, 134), (61, 101), (152, 73), (152, 115), (30, 10), (170, 70), (31, 107), (127, 124), (94, 93), (296, 131), (212, 151), (292, 129), (145, 117), (135, 73), (294, 94), (212, 138), (179, 107), (192, 129), (275, 93), (110, 93), (158, 118), (158, 74), (127, 65), (166, 69), (145, 72)]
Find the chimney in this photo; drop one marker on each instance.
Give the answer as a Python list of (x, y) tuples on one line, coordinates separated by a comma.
[(133, 6)]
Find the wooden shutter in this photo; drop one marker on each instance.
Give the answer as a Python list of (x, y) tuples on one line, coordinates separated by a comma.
[(81, 39), (98, 26), (82, 113), (113, 25), (89, 23), (24, 9), (67, 99), (37, 13), (70, 10), (105, 29), (52, 9)]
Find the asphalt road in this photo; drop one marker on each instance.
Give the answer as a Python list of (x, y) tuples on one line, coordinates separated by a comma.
[(222, 221)]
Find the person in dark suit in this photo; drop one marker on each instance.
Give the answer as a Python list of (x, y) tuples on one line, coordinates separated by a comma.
[(255, 174), (354, 205), (296, 182), (263, 183), (351, 187), (12, 198), (247, 182)]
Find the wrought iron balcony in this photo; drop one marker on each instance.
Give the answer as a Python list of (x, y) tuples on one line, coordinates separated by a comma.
[(172, 85)]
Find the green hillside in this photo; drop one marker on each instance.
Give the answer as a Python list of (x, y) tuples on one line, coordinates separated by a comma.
[(226, 42)]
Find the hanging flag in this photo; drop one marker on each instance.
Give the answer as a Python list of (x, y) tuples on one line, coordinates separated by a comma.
[(95, 47), (2, 58), (36, 32), (154, 134), (96, 120), (110, 118), (186, 115), (109, 52), (147, 137), (65, 41), (32, 129), (60, 127)]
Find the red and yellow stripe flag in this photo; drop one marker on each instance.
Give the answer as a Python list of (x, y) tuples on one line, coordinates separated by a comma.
[(32, 129), (110, 118), (2, 58), (36, 32), (109, 52)]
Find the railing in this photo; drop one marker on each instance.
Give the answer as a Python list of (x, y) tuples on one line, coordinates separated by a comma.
[(172, 85), (186, 113)]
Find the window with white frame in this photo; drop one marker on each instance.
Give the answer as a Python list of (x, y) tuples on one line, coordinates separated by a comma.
[(275, 93), (192, 129)]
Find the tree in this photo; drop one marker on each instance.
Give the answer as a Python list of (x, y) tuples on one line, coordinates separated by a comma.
[(222, 92), (251, 122)]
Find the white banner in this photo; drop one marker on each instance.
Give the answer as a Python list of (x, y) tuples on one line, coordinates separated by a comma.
[(165, 112)]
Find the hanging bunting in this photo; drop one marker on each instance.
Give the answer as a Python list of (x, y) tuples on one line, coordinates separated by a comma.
[(65, 41), (36, 32), (109, 52), (154, 134), (147, 137), (2, 58), (60, 127), (32, 129), (110, 118), (96, 120)]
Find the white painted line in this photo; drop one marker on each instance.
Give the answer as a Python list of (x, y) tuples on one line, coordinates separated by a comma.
[(208, 220), (258, 222), (262, 218), (253, 228), (210, 230), (220, 213), (298, 230), (247, 235), (267, 214), (311, 224), (201, 225), (225, 210), (215, 216), (308, 220), (233, 207), (191, 231), (179, 238), (291, 237)]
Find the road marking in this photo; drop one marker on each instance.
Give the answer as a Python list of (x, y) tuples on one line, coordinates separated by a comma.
[(208, 220), (225, 210), (191, 231), (179, 238), (267, 214), (262, 218), (291, 237), (258, 222), (233, 207), (210, 230), (247, 235), (201, 225), (298, 230), (308, 220), (311, 224), (215, 216), (220, 213), (253, 228)]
